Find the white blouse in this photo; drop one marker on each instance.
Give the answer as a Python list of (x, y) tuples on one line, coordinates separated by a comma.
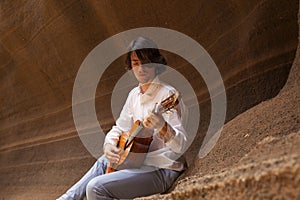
[(136, 107)]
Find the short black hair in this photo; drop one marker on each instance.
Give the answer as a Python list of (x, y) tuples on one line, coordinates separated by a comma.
[(147, 52)]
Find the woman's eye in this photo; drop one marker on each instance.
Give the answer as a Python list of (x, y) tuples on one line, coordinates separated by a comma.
[(135, 64)]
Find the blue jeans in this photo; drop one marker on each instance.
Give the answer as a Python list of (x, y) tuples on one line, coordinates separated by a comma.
[(123, 184)]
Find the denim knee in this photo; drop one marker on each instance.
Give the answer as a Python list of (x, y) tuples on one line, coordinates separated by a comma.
[(95, 190)]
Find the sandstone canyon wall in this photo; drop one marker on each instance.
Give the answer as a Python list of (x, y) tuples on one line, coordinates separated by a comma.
[(43, 43)]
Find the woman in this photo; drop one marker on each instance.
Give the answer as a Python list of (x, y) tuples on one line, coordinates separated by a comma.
[(162, 164)]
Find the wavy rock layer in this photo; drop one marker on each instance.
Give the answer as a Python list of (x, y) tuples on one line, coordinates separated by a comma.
[(42, 45)]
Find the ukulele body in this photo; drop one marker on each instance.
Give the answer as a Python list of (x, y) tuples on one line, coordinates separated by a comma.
[(134, 152)]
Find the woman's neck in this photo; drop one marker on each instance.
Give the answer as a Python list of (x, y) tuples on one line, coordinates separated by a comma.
[(144, 87)]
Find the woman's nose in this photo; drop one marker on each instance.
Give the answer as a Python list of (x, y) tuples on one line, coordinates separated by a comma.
[(141, 67)]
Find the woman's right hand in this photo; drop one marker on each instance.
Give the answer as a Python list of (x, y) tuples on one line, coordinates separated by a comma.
[(112, 153)]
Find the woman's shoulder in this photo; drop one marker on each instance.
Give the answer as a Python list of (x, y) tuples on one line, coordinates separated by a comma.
[(134, 91)]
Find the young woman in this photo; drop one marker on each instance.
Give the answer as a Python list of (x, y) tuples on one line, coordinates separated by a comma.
[(163, 162)]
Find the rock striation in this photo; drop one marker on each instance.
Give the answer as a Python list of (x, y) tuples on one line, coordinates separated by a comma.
[(42, 45)]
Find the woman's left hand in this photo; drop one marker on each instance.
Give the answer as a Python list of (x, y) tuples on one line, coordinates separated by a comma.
[(154, 121)]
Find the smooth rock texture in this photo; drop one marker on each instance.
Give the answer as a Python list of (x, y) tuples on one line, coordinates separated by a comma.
[(43, 43)]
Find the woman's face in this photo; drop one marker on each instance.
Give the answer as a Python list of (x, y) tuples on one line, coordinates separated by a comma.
[(144, 74)]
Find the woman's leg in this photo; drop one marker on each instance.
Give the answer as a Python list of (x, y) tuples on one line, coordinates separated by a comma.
[(125, 184), (77, 191)]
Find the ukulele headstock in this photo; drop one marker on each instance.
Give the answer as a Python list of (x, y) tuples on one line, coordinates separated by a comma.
[(170, 102)]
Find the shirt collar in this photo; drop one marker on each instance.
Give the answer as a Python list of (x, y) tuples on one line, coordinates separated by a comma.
[(151, 91)]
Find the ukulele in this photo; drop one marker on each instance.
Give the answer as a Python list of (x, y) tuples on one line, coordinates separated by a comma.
[(135, 143)]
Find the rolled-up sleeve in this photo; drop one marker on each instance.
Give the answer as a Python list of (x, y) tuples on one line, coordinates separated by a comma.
[(178, 142)]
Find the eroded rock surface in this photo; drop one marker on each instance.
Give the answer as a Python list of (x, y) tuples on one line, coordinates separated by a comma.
[(42, 45)]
